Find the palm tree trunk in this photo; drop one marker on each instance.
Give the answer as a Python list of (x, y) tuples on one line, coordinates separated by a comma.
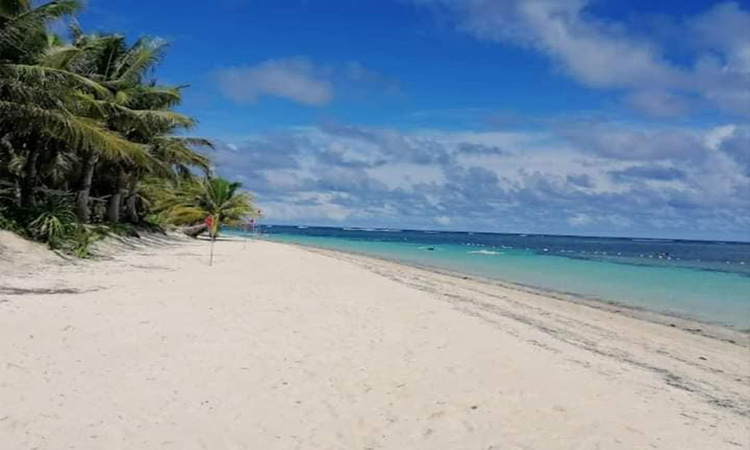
[(115, 201), (131, 200), (113, 207), (83, 209), (131, 209), (28, 181)]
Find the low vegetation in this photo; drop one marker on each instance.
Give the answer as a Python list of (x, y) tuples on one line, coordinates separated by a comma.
[(90, 141)]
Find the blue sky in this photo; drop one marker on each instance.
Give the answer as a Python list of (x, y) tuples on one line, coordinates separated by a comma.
[(565, 116)]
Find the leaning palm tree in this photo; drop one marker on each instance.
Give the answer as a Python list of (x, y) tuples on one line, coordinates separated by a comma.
[(194, 200)]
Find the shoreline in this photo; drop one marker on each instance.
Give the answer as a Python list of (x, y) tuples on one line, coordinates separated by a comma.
[(279, 346), (720, 331)]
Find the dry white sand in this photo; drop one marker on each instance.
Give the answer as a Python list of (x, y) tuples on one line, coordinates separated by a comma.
[(277, 347)]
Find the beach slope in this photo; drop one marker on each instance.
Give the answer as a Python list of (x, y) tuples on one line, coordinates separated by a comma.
[(279, 347)]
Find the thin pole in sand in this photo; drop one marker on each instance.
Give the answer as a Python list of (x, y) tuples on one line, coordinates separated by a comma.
[(249, 231), (212, 232)]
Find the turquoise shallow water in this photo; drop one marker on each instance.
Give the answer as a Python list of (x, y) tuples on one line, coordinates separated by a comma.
[(710, 295)]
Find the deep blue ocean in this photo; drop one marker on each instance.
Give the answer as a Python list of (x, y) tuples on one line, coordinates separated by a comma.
[(709, 281)]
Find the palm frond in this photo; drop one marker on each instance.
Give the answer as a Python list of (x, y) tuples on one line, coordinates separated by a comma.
[(22, 21), (148, 97), (50, 77), (79, 132), (59, 56), (141, 57)]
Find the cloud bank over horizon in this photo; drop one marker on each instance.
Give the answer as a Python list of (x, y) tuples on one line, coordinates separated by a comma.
[(558, 181)]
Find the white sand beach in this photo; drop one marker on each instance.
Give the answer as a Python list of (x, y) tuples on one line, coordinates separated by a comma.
[(279, 347)]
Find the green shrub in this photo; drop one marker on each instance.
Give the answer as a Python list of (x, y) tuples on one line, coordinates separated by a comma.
[(9, 222), (80, 240), (53, 221)]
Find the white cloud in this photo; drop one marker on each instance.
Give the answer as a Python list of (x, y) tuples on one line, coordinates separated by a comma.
[(630, 142), (406, 176), (578, 220), (296, 79), (658, 103), (724, 28), (443, 220), (301, 80), (604, 53), (596, 53), (308, 207)]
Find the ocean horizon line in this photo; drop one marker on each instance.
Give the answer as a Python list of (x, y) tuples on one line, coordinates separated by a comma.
[(508, 233)]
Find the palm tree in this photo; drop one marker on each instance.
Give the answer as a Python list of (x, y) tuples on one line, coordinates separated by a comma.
[(137, 108), (149, 121), (130, 106), (194, 200), (41, 105), (107, 61), (85, 120)]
